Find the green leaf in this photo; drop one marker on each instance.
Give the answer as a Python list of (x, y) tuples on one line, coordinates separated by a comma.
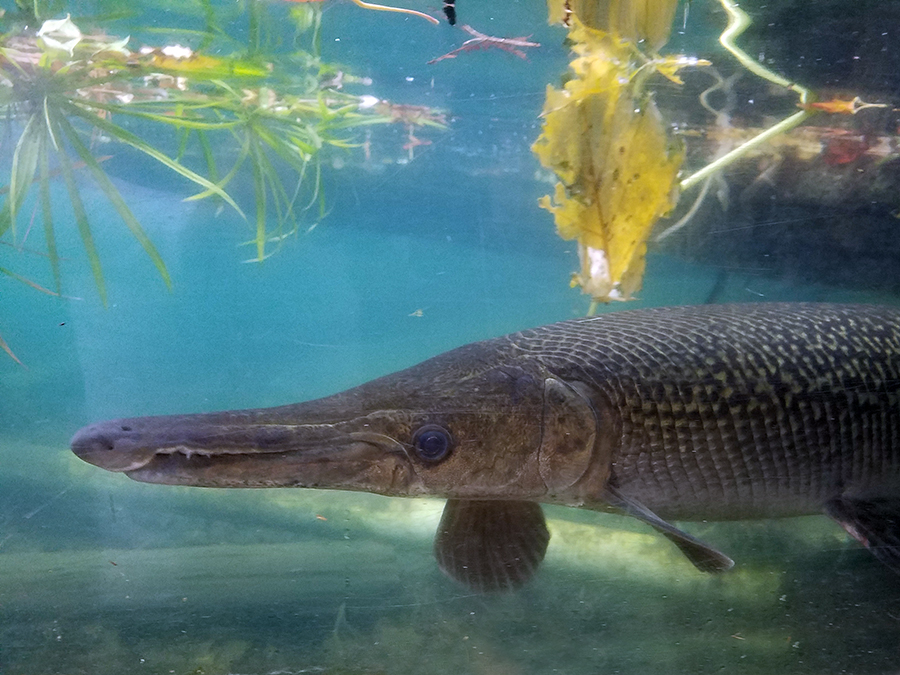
[(84, 227), (47, 214), (24, 165), (238, 163), (182, 122), (211, 169), (123, 136), (259, 186), (5, 347), (115, 198), (183, 135), (5, 222), (25, 280)]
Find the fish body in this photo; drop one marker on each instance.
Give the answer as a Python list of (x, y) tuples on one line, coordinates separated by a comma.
[(714, 412)]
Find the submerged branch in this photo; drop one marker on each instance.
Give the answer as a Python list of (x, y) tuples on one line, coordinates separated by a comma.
[(514, 45)]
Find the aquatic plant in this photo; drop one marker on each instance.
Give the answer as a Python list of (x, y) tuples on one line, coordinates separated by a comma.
[(617, 162), (738, 22), (606, 141), (65, 89)]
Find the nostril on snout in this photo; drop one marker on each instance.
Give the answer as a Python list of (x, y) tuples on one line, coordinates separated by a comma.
[(99, 437), (96, 438), (114, 446), (91, 439)]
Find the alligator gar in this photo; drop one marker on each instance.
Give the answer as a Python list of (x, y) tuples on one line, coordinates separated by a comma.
[(715, 412)]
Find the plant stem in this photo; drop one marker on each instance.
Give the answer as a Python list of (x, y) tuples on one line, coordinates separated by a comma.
[(738, 22), (254, 29), (399, 10), (794, 120)]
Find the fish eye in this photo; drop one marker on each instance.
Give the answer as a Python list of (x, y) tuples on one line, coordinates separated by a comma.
[(432, 443)]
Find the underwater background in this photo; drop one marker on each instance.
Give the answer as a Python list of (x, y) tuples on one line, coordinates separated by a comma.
[(419, 250)]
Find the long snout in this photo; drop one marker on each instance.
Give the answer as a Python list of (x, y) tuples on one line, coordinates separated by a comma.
[(248, 448)]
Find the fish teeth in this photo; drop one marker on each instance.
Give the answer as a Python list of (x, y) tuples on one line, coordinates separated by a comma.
[(185, 450)]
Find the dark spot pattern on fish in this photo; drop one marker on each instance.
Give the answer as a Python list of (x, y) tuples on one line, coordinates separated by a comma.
[(713, 412)]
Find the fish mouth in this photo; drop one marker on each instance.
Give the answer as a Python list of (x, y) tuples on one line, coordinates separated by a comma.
[(247, 449)]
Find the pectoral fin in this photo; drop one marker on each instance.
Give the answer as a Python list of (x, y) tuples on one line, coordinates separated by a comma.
[(703, 556), (875, 523), (491, 545)]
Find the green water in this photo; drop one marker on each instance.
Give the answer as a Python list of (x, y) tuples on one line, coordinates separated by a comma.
[(99, 574)]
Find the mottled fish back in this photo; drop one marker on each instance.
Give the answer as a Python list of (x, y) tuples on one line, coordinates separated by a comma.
[(740, 410)]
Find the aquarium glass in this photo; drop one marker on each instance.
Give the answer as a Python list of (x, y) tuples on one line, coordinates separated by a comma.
[(214, 205)]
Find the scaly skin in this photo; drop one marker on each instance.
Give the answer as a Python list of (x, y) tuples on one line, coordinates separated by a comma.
[(714, 412)]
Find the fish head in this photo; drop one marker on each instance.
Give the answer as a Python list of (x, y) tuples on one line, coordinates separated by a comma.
[(472, 423)]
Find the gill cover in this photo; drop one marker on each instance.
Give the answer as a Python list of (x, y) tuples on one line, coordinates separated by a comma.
[(569, 433), (496, 545)]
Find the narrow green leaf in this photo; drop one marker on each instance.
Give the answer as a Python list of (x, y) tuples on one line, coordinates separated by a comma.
[(313, 185), (5, 222), (212, 28), (123, 136), (238, 163), (84, 227), (5, 347), (183, 135), (254, 31), (48, 124), (343, 144), (25, 280), (290, 147), (279, 194), (209, 158), (259, 186), (47, 214), (182, 122), (24, 164), (115, 198)]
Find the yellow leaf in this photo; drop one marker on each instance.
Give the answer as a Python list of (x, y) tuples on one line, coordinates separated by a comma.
[(205, 66), (633, 20), (669, 66), (616, 163)]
